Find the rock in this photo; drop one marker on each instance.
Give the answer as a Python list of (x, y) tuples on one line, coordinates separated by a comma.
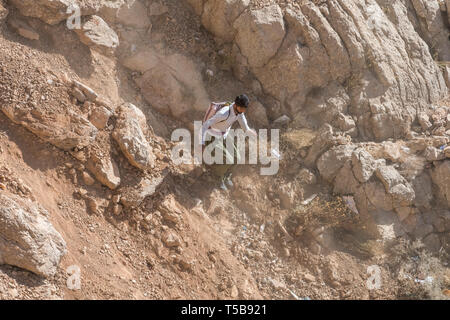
[(133, 196), (105, 170), (424, 121), (68, 132), (90, 94), (403, 212), (117, 209), (157, 9), (27, 239), (377, 197), (99, 117), (422, 185), (49, 11), (218, 15), (334, 159), (396, 185), (92, 205), (345, 182), (441, 178), (447, 152), (133, 14), (446, 72), (259, 34), (433, 154), (116, 198), (88, 180), (79, 95), (23, 29), (170, 210), (171, 239), (3, 12), (175, 87), (96, 33), (257, 113), (130, 134), (432, 242), (283, 120), (345, 122), (234, 292), (364, 165)]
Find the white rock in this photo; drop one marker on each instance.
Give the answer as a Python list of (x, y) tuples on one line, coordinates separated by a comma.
[(27, 239)]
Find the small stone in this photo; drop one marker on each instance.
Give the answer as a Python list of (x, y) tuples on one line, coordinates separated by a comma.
[(87, 178), (309, 277), (116, 198), (234, 292), (92, 205), (78, 95), (117, 209), (170, 239)]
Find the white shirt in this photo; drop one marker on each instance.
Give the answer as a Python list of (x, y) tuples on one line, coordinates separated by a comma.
[(220, 124)]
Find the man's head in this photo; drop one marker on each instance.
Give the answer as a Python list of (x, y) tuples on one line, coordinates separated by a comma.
[(241, 103)]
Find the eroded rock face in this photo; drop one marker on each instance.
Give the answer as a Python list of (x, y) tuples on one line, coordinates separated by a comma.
[(375, 60), (130, 134), (27, 239)]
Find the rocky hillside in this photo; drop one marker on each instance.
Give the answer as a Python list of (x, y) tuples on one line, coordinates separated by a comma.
[(92, 205)]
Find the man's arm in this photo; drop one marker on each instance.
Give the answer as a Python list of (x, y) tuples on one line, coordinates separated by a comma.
[(244, 125)]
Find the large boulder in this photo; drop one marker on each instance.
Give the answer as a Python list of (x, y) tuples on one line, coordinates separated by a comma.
[(66, 130), (174, 87), (130, 134), (27, 239), (96, 33), (218, 16), (260, 33)]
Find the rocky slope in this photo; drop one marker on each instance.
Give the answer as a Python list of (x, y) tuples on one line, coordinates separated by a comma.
[(87, 185)]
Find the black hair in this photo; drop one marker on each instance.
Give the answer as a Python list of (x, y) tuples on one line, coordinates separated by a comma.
[(242, 101)]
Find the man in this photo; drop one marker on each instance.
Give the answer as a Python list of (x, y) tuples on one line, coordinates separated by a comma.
[(217, 128)]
